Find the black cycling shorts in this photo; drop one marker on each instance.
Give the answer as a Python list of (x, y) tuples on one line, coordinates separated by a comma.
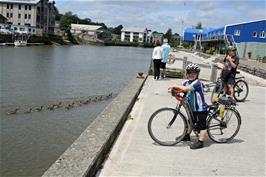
[(200, 119), (162, 65)]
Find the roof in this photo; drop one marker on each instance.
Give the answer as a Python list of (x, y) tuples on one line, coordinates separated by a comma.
[(85, 27), (134, 29), (201, 31), (21, 1), (2, 17), (246, 22)]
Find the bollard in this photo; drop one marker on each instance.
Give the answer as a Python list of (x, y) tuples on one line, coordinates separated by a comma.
[(151, 72), (214, 68), (185, 63)]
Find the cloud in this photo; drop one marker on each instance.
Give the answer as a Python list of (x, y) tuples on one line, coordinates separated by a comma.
[(161, 15)]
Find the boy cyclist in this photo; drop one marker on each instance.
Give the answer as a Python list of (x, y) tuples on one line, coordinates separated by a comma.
[(195, 97)]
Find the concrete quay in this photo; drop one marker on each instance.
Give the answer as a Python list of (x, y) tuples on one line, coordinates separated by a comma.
[(136, 154)]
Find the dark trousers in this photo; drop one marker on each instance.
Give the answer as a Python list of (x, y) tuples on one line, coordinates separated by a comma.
[(156, 64)]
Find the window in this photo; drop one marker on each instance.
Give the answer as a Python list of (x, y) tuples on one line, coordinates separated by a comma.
[(27, 24), (33, 30), (254, 34), (15, 28), (7, 15), (19, 7), (25, 16), (11, 6), (11, 15), (7, 6), (237, 32), (19, 15), (29, 7), (26, 7), (18, 23), (262, 34), (29, 16), (29, 29)]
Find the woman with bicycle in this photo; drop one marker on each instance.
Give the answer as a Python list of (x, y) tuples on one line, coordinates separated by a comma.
[(228, 73), (194, 93)]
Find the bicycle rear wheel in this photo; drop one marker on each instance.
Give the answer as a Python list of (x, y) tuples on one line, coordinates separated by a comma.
[(240, 90), (167, 126), (222, 131)]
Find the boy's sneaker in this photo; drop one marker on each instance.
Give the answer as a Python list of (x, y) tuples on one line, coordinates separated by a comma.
[(197, 145), (186, 138)]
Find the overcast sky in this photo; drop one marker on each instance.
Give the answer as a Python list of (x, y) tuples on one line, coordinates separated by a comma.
[(161, 15)]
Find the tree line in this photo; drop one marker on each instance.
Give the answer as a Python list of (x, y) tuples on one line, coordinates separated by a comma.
[(66, 19)]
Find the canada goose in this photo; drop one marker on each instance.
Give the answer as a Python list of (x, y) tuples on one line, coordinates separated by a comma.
[(57, 105), (39, 108), (28, 111), (87, 101), (15, 111), (80, 103)]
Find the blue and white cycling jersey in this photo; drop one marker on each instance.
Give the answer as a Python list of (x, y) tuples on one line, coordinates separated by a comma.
[(195, 97)]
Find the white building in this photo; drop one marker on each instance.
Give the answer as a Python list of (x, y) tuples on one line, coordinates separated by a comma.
[(37, 14), (90, 31), (133, 34)]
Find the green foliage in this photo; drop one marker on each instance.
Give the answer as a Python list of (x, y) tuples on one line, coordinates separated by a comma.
[(211, 50), (57, 15), (66, 20), (71, 38), (199, 25), (187, 44), (116, 30), (171, 40), (105, 35)]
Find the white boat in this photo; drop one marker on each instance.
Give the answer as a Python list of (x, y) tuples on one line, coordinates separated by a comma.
[(20, 43)]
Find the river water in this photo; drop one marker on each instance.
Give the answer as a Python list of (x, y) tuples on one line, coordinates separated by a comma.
[(32, 77)]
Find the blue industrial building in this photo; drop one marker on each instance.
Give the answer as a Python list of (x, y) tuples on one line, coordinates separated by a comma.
[(248, 37)]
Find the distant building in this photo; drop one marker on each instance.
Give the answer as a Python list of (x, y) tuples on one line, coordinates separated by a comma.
[(133, 34), (20, 29), (90, 31), (248, 37), (38, 14)]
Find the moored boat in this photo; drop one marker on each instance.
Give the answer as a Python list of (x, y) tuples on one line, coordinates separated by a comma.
[(20, 43)]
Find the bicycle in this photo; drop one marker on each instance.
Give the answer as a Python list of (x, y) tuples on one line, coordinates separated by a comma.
[(168, 126), (241, 88)]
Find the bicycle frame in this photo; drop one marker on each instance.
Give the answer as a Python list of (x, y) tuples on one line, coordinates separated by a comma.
[(190, 117)]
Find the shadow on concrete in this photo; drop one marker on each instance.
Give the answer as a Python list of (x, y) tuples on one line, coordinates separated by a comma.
[(209, 142)]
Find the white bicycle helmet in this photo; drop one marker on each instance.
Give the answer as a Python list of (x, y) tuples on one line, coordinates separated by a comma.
[(193, 67)]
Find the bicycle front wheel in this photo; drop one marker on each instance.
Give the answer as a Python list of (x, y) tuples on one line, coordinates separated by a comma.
[(224, 130), (240, 90), (167, 126)]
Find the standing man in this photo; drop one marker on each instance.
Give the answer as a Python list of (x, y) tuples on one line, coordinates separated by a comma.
[(165, 58)]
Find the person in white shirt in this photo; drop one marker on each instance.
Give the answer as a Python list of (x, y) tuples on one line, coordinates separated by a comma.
[(157, 57)]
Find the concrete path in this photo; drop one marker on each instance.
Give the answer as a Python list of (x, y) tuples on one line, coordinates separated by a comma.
[(135, 153)]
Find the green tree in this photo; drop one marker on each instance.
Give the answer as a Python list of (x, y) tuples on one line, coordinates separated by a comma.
[(168, 34), (199, 25), (66, 20), (57, 15), (117, 30)]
